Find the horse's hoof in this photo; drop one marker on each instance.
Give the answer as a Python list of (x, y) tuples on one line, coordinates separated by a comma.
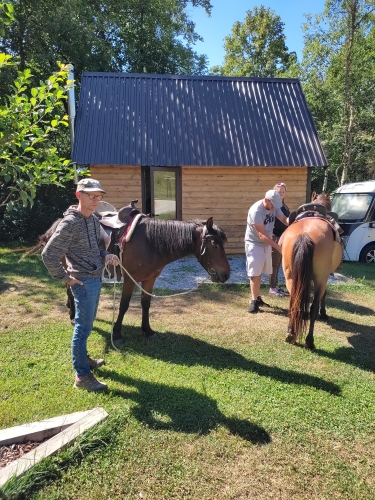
[(324, 318), (118, 342), (73, 321), (153, 336), (290, 339), (310, 347)]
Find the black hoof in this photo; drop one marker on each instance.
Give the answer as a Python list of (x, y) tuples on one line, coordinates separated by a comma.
[(310, 348), (153, 336), (118, 342), (324, 318)]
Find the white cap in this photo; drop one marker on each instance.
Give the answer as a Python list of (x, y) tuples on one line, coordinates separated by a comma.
[(274, 197)]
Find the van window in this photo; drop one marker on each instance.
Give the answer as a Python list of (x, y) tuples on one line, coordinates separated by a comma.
[(350, 206)]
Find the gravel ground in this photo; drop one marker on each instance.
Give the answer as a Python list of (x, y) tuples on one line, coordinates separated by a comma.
[(187, 273)]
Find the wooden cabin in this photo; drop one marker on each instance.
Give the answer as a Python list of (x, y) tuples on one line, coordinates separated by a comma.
[(192, 147)]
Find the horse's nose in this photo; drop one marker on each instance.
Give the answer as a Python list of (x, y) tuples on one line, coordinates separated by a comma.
[(224, 277)]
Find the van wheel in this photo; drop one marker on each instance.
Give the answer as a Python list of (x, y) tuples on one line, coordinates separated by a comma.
[(368, 254)]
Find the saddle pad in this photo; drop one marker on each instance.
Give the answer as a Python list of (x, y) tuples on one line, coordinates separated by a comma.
[(130, 229), (336, 232)]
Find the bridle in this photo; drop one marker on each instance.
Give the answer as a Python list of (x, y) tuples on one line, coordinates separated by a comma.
[(211, 271)]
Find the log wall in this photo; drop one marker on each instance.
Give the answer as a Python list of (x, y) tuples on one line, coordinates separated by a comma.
[(121, 183), (226, 194)]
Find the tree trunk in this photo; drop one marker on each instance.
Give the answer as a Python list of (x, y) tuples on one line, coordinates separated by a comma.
[(349, 111)]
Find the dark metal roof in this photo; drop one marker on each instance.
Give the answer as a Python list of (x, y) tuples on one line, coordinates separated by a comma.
[(164, 120)]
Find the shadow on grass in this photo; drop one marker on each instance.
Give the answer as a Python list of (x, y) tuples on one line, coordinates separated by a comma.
[(350, 307), (178, 409), (187, 351), (362, 352)]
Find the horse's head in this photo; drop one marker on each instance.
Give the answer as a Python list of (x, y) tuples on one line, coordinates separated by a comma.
[(210, 251), (322, 199)]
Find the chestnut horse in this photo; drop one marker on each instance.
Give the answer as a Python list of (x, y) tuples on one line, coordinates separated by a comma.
[(309, 254), (154, 244)]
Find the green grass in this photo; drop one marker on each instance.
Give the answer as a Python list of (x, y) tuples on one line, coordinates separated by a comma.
[(219, 408)]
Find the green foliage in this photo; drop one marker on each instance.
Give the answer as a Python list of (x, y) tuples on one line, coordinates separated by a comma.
[(25, 224), (257, 47), (338, 72), (27, 121), (152, 36)]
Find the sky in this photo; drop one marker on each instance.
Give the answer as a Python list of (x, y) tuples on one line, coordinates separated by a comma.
[(226, 12)]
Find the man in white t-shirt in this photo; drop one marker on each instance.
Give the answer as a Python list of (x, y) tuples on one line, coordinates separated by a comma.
[(258, 242)]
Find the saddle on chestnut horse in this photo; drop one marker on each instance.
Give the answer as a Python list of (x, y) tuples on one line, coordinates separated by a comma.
[(317, 210)]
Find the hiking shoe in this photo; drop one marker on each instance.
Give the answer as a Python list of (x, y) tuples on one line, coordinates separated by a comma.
[(89, 383), (95, 363), (261, 302), (276, 292), (253, 307)]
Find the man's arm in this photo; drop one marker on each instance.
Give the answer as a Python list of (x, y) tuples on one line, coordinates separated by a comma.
[(260, 229), (283, 219), (55, 249)]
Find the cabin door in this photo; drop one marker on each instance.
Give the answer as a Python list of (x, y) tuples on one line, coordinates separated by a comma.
[(161, 187)]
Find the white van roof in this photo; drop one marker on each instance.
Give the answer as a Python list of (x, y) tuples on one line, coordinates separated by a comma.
[(357, 187)]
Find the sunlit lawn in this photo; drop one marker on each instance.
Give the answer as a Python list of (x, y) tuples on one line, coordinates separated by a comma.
[(220, 407)]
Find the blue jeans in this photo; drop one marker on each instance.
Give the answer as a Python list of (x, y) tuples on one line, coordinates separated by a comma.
[(86, 299)]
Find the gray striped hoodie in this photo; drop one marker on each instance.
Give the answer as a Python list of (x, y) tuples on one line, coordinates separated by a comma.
[(76, 238)]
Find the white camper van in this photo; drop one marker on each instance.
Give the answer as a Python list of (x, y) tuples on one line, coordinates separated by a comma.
[(355, 206)]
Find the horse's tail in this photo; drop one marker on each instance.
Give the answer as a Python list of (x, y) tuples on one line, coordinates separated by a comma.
[(299, 303), (42, 242)]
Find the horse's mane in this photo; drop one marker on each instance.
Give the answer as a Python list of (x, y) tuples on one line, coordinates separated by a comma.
[(322, 199), (175, 237)]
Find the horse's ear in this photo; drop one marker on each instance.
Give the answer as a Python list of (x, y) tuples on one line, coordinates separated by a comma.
[(313, 196), (209, 224)]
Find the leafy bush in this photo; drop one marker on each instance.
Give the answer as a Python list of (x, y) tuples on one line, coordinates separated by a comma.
[(25, 224)]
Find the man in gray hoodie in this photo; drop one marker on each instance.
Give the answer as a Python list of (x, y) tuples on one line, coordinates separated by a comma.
[(77, 239)]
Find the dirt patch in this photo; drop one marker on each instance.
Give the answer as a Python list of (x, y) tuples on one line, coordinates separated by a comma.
[(15, 451)]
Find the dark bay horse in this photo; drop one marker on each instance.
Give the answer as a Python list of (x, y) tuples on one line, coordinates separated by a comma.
[(154, 244), (310, 253)]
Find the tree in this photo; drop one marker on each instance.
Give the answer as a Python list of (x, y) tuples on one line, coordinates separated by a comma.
[(256, 47), (154, 36), (338, 76), (27, 121)]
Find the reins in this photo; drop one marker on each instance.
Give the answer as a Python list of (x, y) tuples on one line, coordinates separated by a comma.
[(106, 269)]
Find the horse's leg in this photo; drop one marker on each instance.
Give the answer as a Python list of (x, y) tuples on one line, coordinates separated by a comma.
[(323, 313), (127, 292), (70, 304), (314, 311), (290, 336), (146, 302)]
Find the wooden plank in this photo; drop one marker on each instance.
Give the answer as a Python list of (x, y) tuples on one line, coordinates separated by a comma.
[(234, 180), (58, 442), (238, 181), (244, 169), (37, 431), (217, 197)]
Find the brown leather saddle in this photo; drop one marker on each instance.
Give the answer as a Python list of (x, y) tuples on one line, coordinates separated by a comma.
[(320, 211), (113, 227), (117, 220)]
